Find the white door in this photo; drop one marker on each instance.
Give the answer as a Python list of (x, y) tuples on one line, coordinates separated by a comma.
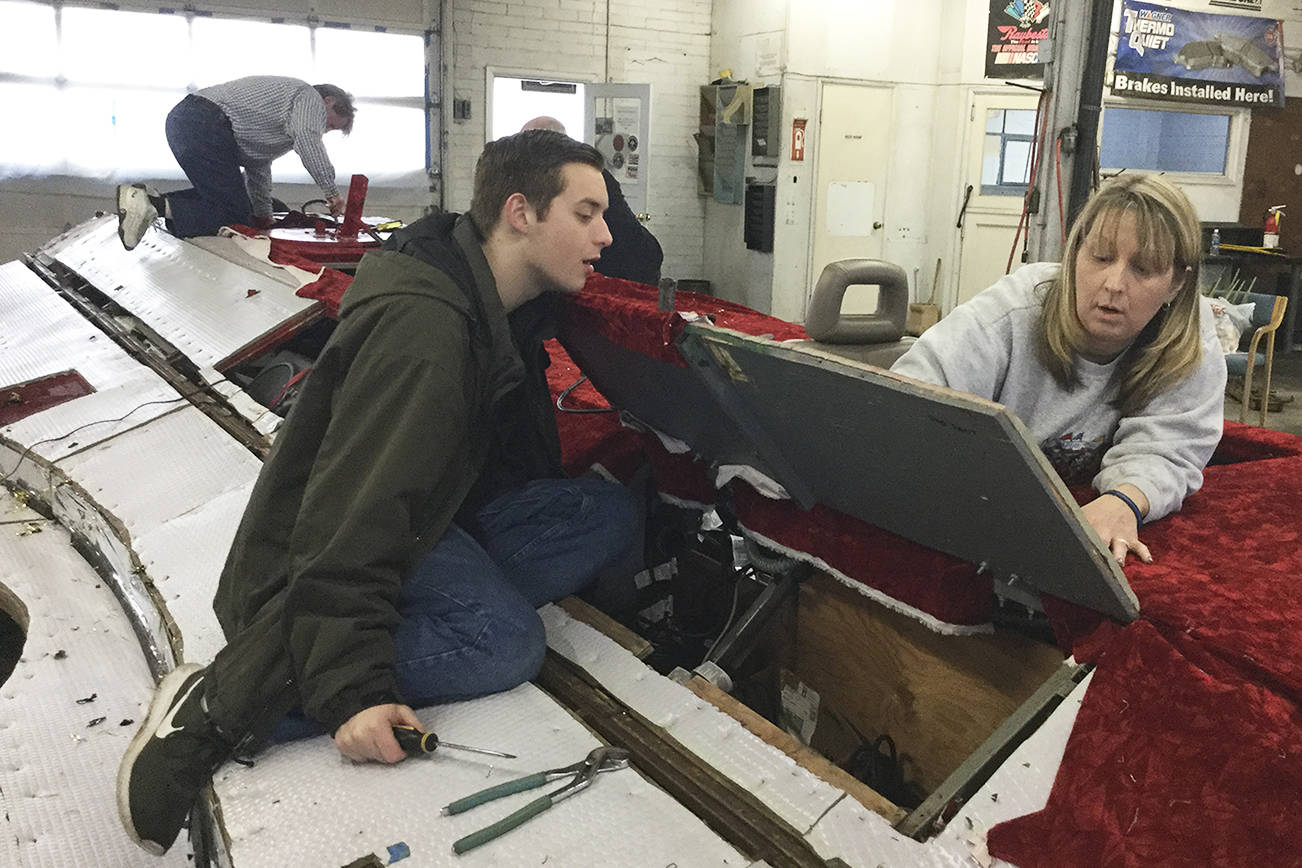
[(617, 121), (850, 187), (1001, 129)]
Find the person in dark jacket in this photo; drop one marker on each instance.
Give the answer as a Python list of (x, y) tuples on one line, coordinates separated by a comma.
[(634, 253), (412, 514)]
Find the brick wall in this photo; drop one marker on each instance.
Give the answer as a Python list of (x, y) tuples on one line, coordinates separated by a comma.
[(666, 44)]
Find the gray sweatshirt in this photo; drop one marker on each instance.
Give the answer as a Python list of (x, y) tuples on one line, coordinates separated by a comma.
[(987, 347)]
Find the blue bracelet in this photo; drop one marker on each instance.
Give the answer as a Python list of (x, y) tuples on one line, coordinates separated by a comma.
[(1139, 517)]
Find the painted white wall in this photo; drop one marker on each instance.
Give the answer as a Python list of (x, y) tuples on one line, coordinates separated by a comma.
[(929, 51), (740, 29), (665, 44)]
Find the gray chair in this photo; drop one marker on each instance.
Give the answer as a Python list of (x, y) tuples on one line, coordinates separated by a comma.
[(1267, 314), (875, 338)]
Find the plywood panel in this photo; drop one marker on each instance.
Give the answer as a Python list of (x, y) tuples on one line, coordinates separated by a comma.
[(938, 697)]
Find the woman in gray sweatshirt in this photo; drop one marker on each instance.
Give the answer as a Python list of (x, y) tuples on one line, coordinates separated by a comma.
[(1110, 358)]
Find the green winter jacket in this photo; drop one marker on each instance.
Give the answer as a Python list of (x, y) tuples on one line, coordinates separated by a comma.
[(388, 437)]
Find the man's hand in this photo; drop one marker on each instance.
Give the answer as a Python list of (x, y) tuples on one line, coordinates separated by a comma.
[(368, 734), (336, 204), (264, 222), (1115, 524)]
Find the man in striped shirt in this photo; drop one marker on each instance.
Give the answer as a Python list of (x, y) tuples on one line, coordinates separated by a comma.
[(246, 123)]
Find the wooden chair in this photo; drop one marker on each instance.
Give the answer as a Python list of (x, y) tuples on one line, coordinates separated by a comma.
[(1267, 314)]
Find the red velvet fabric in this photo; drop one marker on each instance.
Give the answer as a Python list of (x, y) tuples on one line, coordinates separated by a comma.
[(1249, 443), (1170, 763), (680, 475), (626, 313), (1212, 673), (328, 289), (352, 222), (336, 250), (944, 587)]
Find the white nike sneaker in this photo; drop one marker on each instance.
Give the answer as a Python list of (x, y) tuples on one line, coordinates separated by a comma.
[(170, 760), (136, 213)]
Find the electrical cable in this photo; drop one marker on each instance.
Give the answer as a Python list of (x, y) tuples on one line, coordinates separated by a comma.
[(560, 400), (1057, 174), (1041, 121), (280, 396), (23, 456), (732, 613)]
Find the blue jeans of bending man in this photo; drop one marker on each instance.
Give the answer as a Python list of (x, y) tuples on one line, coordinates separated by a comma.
[(202, 141), (469, 621)]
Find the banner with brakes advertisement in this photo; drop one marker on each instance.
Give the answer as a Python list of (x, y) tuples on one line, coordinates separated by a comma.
[(1175, 54)]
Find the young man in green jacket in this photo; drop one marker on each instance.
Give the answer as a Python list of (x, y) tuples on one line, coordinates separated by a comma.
[(412, 514)]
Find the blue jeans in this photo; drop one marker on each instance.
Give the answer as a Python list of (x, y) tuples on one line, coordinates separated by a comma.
[(469, 621), (200, 136)]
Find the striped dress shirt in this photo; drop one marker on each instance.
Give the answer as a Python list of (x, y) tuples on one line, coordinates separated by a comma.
[(270, 115)]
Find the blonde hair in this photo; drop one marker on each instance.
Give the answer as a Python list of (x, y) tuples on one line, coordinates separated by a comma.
[(1170, 346)]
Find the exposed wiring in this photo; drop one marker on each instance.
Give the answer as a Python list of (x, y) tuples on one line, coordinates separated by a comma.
[(560, 400), (23, 457), (280, 396), (749, 572), (1057, 174), (1041, 121)]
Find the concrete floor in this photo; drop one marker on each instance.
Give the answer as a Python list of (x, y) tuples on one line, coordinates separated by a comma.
[(1286, 380)]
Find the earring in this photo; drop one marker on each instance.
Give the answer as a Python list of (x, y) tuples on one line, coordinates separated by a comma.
[(1166, 305)]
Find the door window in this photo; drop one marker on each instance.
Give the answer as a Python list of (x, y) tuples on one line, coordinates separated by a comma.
[(1006, 154)]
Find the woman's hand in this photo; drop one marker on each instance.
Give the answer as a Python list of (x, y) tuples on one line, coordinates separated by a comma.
[(1115, 524), (368, 734)]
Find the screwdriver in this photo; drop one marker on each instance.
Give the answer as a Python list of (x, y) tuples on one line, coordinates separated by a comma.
[(414, 743)]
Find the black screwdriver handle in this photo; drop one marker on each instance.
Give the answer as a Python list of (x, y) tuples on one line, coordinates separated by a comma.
[(414, 742)]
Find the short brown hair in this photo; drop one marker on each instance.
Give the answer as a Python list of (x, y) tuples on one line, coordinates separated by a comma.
[(529, 163), (343, 104)]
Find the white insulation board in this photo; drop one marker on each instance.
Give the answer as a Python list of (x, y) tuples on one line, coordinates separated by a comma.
[(56, 770), (302, 804), (42, 335), (207, 306), (793, 793), (178, 486)]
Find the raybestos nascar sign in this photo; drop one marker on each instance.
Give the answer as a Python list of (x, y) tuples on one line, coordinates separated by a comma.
[(1173, 54)]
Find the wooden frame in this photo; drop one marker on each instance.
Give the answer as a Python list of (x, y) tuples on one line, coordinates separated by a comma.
[(1268, 330)]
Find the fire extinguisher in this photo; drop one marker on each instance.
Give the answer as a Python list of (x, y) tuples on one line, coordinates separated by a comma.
[(1270, 236)]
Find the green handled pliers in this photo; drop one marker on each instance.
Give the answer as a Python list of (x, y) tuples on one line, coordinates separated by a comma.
[(603, 759)]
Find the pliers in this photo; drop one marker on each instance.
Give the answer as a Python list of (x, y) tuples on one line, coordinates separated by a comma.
[(603, 759)]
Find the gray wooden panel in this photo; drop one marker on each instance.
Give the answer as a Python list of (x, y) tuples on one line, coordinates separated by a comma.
[(945, 469), (667, 397)]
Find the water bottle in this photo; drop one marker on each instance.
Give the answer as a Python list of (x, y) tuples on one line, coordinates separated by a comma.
[(1216, 242)]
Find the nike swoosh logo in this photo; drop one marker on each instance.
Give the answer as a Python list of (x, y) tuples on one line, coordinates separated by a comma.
[(165, 727)]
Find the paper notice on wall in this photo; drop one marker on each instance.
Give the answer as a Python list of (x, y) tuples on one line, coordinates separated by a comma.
[(799, 708), (850, 208), (625, 161), (768, 54)]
